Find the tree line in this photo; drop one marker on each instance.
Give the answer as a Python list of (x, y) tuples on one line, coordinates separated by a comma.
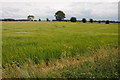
[(59, 16)]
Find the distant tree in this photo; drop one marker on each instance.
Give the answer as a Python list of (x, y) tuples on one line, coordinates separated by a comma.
[(39, 19), (30, 17), (91, 20), (103, 21), (47, 19), (35, 20), (99, 21), (95, 21), (59, 15), (112, 21), (107, 22), (22, 20), (73, 19), (117, 21), (66, 20), (9, 19), (84, 20)]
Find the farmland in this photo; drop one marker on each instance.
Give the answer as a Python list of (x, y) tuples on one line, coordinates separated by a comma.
[(34, 49)]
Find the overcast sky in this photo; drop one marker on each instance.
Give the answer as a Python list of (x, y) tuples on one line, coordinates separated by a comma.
[(96, 9)]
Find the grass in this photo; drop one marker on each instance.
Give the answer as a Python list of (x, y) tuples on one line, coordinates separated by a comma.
[(102, 65), (44, 43)]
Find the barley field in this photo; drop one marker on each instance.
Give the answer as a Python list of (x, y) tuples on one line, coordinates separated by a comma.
[(33, 49)]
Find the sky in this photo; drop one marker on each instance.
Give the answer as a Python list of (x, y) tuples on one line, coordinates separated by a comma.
[(42, 9)]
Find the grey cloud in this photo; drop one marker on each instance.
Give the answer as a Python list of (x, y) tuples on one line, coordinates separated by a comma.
[(95, 10), (47, 10)]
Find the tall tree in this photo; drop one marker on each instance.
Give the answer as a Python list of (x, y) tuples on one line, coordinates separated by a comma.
[(59, 15), (30, 17)]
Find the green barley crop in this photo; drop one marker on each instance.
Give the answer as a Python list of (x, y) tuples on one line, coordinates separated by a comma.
[(49, 41)]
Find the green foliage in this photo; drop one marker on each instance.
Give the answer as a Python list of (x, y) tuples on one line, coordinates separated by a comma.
[(39, 19), (73, 19), (47, 19), (9, 19), (59, 15), (107, 22), (91, 20), (84, 20), (99, 21), (30, 17)]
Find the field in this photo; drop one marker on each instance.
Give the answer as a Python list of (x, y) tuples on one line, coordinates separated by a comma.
[(59, 50)]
